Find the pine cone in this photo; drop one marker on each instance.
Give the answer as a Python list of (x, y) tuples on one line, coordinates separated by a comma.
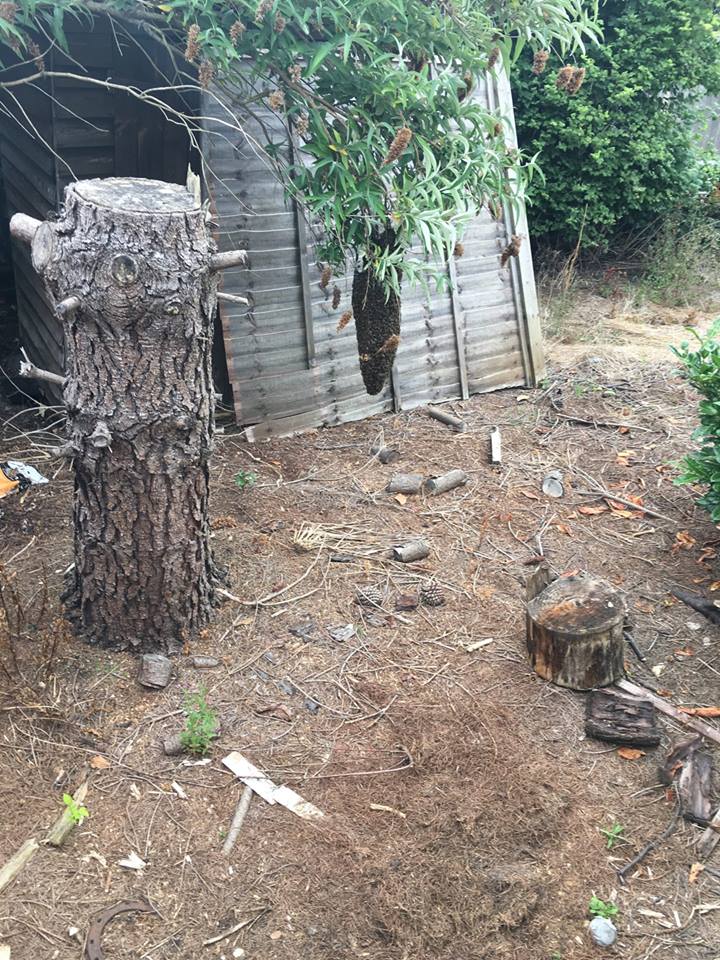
[(369, 596), (432, 595)]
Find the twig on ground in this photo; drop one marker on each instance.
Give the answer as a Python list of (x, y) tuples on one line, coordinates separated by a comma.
[(237, 821), (235, 929), (648, 848)]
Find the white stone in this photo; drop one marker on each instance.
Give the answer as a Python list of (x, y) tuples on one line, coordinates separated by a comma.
[(603, 932)]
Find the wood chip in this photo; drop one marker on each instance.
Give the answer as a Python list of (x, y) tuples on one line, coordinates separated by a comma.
[(619, 720), (385, 809), (132, 862)]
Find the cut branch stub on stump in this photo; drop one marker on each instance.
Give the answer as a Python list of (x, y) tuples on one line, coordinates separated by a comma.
[(132, 264), (575, 633)]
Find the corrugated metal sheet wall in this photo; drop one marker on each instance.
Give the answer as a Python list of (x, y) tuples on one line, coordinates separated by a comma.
[(289, 367)]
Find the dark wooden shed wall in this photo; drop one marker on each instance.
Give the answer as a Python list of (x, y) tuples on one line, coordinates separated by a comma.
[(68, 130)]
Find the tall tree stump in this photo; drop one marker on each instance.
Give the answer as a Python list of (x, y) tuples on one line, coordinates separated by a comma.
[(575, 633), (132, 268)]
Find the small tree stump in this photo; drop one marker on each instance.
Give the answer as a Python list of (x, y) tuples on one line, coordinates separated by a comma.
[(575, 633)]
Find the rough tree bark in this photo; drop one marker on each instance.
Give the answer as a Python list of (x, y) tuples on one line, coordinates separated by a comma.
[(377, 322), (132, 269)]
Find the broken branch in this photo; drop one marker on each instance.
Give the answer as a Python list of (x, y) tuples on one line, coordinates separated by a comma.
[(18, 860), (635, 690), (230, 258), (237, 821), (23, 227), (31, 372)]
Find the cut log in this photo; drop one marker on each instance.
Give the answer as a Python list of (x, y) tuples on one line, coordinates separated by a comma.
[(448, 419), (407, 483), (414, 550), (18, 860), (575, 633), (621, 721), (448, 481)]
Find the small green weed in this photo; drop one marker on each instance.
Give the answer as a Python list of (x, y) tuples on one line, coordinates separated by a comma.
[(77, 812), (599, 908), (245, 479), (201, 724), (614, 834)]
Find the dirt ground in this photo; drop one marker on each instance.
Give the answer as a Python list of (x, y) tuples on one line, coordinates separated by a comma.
[(463, 803)]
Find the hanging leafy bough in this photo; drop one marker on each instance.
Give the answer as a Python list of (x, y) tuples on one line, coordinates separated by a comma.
[(393, 156)]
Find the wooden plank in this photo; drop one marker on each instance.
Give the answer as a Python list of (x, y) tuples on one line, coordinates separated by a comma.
[(524, 275), (301, 230), (457, 325)]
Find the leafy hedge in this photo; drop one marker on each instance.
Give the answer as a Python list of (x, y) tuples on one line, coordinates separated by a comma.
[(623, 149), (702, 369)]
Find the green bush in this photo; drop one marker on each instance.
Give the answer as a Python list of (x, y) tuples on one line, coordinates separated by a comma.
[(624, 148), (702, 369)]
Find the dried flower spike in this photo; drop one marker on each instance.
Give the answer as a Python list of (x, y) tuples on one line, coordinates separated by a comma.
[(236, 31), (399, 145), (263, 8), (277, 100), (36, 53), (295, 72), (205, 74), (280, 23), (8, 11), (344, 320), (336, 296), (192, 49), (511, 250), (458, 249), (540, 62), (497, 130), (493, 58), (325, 276), (576, 81), (302, 124), (564, 77), (390, 345)]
